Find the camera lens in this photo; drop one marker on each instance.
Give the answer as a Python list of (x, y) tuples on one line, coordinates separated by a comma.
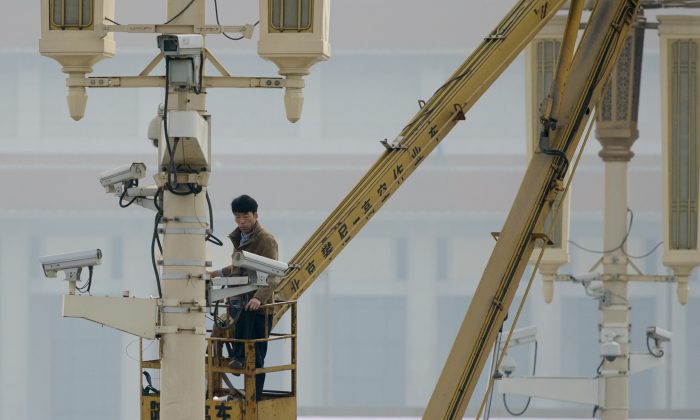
[(170, 45)]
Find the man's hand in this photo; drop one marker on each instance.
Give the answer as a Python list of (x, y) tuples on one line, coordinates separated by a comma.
[(213, 274), (253, 304)]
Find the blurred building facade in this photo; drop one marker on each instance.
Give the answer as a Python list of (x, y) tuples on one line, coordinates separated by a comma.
[(376, 327)]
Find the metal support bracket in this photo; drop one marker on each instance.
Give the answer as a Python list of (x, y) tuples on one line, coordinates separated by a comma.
[(183, 276), (396, 145), (578, 390), (168, 329), (229, 281), (184, 263), (543, 236), (534, 236), (459, 113), (146, 28), (184, 231), (185, 219), (181, 309), (201, 178)]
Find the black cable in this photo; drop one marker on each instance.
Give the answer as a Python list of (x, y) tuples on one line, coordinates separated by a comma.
[(159, 192), (121, 200), (149, 389), (165, 117), (216, 12), (180, 13), (210, 236), (549, 124), (595, 410), (647, 254), (171, 184), (624, 240), (159, 207), (597, 370), (132, 183), (153, 252), (110, 20), (90, 269), (658, 355), (527, 405), (85, 288)]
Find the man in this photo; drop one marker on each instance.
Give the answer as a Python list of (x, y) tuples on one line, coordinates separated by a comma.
[(252, 324)]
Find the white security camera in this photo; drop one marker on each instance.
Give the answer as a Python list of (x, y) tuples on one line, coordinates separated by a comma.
[(610, 350), (155, 126), (255, 262), (181, 45), (585, 277), (183, 58), (70, 263), (659, 334), (508, 365), (114, 180)]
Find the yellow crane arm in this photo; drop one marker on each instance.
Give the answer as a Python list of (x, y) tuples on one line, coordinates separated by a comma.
[(419, 138), (594, 59)]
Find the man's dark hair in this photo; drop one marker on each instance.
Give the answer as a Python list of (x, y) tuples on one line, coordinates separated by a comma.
[(244, 204)]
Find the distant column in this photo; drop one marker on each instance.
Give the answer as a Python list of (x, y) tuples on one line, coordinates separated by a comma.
[(616, 129), (680, 107)]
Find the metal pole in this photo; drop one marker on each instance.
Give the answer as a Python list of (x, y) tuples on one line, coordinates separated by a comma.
[(615, 308), (617, 131), (182, 363)]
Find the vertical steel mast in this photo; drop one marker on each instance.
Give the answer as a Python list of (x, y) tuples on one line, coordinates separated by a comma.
[(183, 264)]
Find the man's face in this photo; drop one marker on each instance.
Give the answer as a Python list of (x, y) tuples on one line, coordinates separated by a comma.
[(246, 221)]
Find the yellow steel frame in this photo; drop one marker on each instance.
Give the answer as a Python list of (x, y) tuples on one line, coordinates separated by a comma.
[(416, 141), (277, 404), (565, 115), (594, 59)]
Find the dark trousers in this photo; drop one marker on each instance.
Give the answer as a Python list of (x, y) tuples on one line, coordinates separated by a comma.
[(253, 325)]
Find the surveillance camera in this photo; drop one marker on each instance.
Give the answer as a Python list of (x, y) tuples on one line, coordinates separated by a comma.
[(181, 45), (154, 128), (70, 263), (508, 365), (122, 175), (659, 334), (255, 262), (610, 350), (585, 277), (183, 59)]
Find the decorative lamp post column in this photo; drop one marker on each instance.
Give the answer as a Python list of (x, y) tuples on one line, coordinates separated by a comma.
[(680, 107), (616, 130)]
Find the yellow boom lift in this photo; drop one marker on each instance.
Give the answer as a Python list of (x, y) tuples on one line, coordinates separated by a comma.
[(566, 114)]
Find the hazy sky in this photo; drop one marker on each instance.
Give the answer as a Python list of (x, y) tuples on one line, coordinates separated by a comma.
[(355, 23)]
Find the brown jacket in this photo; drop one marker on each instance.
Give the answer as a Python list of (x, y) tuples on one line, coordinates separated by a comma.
[(261, 242)]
